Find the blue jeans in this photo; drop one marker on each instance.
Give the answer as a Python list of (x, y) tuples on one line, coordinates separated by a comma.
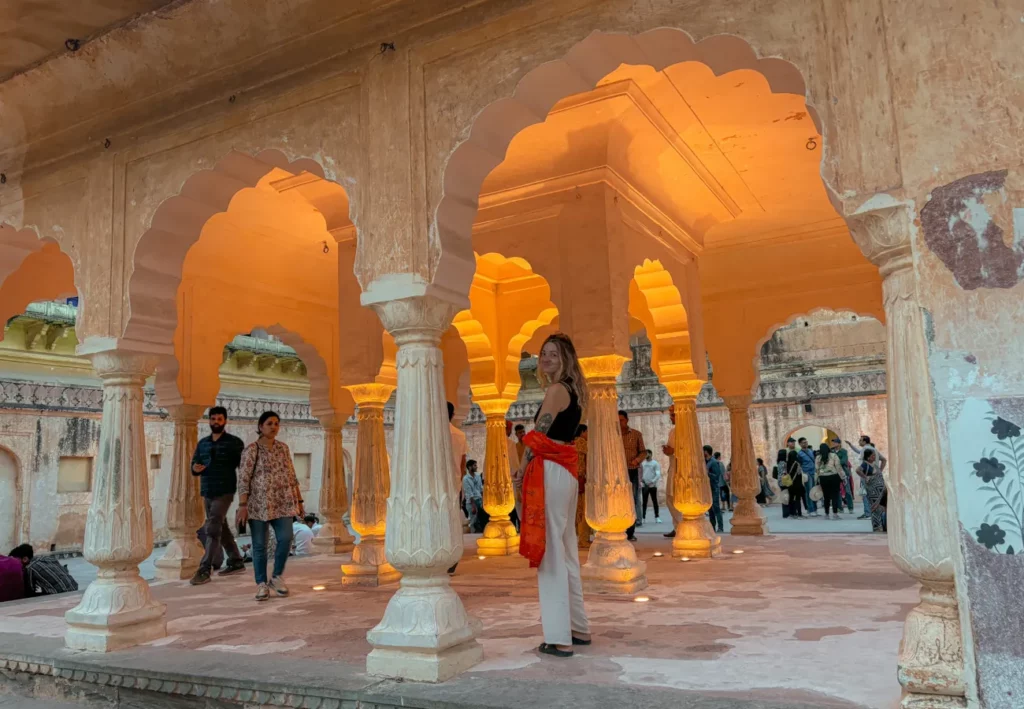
[(848, 497), (810, 504), (283, 532), (715, 513), (867, 505)]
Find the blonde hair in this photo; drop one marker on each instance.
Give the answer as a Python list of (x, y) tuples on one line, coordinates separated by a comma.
[(569, 373)]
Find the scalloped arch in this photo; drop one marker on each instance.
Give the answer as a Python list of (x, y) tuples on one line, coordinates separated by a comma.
[(859, 312), (31, 268), (179, 220), (655, 301), (583, 66)]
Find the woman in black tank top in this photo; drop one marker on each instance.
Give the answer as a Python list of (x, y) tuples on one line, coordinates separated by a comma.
[(558, 577)]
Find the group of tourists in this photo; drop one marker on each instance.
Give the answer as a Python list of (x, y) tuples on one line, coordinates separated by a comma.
[(23, 574), (808, 476)]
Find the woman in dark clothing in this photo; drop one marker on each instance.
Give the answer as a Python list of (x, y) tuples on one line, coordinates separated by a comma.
[(796, 488), (777, 472), (874, 485)]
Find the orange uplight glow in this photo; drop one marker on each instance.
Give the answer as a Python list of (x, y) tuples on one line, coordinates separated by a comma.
[(737, 551), (641, 599), (684, 558), (658, 553), (319, 588)]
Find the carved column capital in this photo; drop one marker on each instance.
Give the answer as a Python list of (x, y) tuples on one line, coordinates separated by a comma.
[(372, 395), (421, 318), (684, 389), (131, 367), (739, 402), (186, 413), (603, 369), (881, 228)]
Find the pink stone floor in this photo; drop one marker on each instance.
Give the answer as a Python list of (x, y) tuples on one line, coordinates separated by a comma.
[(809, 615)]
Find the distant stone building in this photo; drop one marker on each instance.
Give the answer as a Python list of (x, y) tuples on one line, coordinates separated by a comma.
[(827, 369)]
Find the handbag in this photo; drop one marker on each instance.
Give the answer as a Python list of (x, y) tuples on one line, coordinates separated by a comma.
[(785, 497), (816, 494)]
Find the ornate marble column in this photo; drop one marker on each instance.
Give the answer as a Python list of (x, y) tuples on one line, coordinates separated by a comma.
[(185, 512), (371, 486), (612, 565), (116, 610), (922, 520), (500, 537), (747, 518), (425, 634), (334, 537), (695, 537)]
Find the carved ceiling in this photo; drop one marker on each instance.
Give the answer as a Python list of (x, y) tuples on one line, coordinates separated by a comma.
[(722, 156), (32, 31)]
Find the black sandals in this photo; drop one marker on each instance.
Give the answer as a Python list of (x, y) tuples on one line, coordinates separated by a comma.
[(553, 650)]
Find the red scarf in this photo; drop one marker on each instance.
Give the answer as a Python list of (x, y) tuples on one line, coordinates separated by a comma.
[(532, 526)]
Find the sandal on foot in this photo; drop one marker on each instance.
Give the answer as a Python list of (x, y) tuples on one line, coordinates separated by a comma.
[(580, 641), (548, 649)]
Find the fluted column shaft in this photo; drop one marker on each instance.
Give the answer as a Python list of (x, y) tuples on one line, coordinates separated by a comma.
[(695, 537), (116, 610), (612, 565), (500, 537), (425, 634), (922, 524), (185, 513), (371, 486), (334, 537), (746, 518)]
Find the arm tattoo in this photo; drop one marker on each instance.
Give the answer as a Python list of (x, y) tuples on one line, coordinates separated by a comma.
[(543, 425)]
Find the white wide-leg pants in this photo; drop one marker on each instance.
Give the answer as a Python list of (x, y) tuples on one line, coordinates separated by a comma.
[(558, 578)]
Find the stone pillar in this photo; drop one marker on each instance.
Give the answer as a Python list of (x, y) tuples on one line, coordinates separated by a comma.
[(922, 521), (334, 537), (371, 486), (116, 610), (695, 537), (746, 518), (500, 537), (425, 634), (612, 565), (185, 512)]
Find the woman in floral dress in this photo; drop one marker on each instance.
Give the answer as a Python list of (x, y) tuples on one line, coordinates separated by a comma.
[(268, 496)]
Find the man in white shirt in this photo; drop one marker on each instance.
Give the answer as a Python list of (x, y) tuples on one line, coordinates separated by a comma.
[(473, 491), (459, 449), (302, 538), (650, 474)]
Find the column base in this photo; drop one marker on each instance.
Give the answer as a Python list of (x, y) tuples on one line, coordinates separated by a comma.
[(930, 665), (180, 560), (696, 539), (116, 612), (334, 538), (425, 634), (748, 526), (369, 574), (500, 538), (612, 566)]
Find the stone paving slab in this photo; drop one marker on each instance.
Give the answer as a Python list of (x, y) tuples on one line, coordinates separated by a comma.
[(715, 633)]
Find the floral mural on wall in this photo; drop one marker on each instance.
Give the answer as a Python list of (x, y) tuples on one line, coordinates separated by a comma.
[(998, 475)]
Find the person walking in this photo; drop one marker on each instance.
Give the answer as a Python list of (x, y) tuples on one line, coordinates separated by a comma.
[(778, 472), (583, 530), (846, 486), (550, 497), (806, 457), (830, 477), (874, 484), (795, 484), (878, 464), (473, 492), (269, 497), (669, 449), (633, 444), (215, 461), (726, 481), (459, 449), (650, 474), (715, 475)]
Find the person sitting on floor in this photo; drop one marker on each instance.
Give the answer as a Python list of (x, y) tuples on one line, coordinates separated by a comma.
[(302, 537), (13, 576)]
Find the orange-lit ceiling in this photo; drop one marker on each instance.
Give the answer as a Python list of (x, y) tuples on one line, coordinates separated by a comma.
[(725, 158)]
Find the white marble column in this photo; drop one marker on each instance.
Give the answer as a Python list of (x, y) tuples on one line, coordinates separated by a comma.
[(921, 517), (746, 518), (116, 610), (500, 537), (612, 565), (695, 537), (371, 486), (425, 634), (334, 537), (185, 512)]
